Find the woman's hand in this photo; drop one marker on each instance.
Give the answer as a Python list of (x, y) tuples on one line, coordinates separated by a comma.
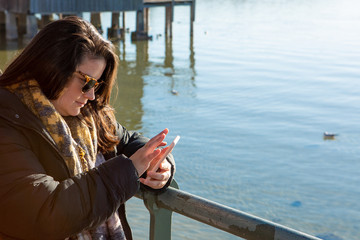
[(143, 156), (158, 179)]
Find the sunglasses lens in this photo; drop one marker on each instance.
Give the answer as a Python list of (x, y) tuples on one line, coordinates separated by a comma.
[(90, 84)]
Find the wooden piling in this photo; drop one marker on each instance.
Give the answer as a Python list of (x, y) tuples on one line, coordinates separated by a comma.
[(146, 19), (192, 17), (142, 26), (123, 21), (95, 19), (115, 32), (115, 19), (140, 21), (169, 16), (21, 24), (11, 26), (45, 19), (2, 22), (31, 26)]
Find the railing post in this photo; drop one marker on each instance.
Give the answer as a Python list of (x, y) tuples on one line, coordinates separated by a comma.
[(160, 218)]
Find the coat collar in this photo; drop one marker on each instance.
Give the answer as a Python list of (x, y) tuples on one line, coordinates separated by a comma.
[(14, 111)]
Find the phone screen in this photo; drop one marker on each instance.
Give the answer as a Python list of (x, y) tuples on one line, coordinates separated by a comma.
[(170, 148)]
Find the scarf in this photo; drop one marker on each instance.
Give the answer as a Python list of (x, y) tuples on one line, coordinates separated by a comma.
[(77, 142)]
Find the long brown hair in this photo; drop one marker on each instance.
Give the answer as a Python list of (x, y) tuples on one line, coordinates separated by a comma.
[(52, 57)]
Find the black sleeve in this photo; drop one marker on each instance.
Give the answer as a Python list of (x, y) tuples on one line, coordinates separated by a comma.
[(130, 141), (35, 206)]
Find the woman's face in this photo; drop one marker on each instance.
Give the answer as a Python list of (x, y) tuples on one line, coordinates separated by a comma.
[(72, 99)]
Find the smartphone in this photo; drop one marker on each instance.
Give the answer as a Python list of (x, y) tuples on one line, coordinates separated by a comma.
[(170, 148)]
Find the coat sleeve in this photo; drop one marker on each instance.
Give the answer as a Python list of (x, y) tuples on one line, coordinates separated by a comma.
[(35, 206), (130, 142)]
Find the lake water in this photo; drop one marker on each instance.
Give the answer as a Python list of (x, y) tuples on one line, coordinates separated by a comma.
[(258, 85)]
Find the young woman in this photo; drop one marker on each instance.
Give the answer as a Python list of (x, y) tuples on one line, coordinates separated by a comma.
[(66, 165)]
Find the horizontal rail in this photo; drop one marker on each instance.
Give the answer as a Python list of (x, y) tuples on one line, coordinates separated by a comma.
[(219, 216)]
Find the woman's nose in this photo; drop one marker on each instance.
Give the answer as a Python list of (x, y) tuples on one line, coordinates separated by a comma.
[(90, 94)]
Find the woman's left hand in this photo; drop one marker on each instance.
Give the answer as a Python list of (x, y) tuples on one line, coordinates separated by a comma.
[(158, 179)]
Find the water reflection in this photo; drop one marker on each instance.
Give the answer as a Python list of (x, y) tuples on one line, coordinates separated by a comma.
[(192, 60), (169, 63), (130, 83), (177, 74), (134, 72), (8, 49)]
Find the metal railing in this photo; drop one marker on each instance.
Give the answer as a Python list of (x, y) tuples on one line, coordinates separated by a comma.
[(231, 220)]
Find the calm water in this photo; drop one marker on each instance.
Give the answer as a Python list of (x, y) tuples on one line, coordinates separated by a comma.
[(257, 86)]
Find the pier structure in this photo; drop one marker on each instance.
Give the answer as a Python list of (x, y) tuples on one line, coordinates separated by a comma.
[(18, 17)]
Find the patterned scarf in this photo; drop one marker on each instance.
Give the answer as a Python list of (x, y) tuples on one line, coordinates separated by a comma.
[(77, 143)]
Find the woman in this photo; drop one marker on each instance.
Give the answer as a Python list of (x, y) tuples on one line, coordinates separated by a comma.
[(66, 165)]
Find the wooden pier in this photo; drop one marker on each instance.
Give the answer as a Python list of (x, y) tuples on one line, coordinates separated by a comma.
[(17, 17), (170, 4)]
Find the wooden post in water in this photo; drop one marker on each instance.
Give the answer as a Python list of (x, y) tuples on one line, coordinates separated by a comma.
[(27, 26), (31, 26), (115, 32), (45, 19), (139, 25), (169, 17), (146, 19), (21, 24), (95, 19), (2, 22), (11, 28), (123, 22), (192, 18), (142, 25)]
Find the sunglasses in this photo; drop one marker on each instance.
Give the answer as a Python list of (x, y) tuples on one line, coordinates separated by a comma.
[(90, 83)]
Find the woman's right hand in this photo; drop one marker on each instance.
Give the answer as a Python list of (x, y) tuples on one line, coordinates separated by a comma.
[(143, 156)]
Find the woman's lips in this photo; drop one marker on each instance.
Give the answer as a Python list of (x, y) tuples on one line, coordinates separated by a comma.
[(80, 103)]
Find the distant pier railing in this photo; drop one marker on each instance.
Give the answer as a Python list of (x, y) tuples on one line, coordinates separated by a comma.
[(233, 221), (18, 16)]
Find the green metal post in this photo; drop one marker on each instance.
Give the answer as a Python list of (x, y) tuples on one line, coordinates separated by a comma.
[(160, 218)]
